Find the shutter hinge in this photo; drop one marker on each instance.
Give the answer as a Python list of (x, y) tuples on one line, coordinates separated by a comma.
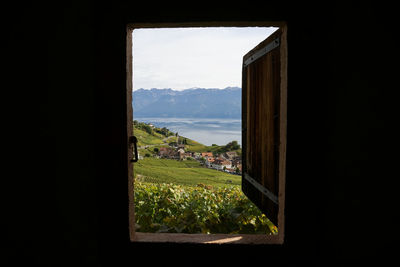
[(261, 52)]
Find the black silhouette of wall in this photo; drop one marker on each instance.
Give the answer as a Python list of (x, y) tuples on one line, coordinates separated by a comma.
[(67, 191)]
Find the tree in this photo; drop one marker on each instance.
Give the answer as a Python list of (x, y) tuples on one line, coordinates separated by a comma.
[(147, 128), (164, 131), (232, 146), (172, 144)]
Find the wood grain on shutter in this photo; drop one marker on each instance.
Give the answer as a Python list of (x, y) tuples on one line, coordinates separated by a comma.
[(261, 127)]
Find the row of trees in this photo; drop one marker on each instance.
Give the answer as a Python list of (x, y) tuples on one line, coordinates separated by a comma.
[(231, 146), (181, 141), (147, 128)]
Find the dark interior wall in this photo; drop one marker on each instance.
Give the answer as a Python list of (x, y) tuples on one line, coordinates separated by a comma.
[(68, 205)]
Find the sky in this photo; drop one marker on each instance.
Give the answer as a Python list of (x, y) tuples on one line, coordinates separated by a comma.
[(183, 58)]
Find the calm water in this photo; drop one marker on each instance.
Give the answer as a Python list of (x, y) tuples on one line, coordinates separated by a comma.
[(205, 131)]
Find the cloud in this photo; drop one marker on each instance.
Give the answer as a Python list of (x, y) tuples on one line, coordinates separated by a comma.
[(181, 58)]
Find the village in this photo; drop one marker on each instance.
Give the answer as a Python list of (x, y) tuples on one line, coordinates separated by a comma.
[(177, 149), (229, 162)]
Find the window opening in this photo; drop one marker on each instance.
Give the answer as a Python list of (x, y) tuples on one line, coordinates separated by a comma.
[(186, 181)]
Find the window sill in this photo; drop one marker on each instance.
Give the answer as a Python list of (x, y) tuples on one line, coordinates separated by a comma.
[(207, 238)]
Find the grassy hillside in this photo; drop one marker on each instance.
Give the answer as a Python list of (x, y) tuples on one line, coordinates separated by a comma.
[(181, 172), (194, 146), (145, 138), (187, 172), (156, 140)]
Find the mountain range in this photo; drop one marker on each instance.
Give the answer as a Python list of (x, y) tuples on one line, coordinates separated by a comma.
[(188, 103)]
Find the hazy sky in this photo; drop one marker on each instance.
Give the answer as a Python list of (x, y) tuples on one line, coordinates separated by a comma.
[(181, 58)]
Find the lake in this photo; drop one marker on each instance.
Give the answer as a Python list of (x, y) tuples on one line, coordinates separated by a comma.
[(206, 131)]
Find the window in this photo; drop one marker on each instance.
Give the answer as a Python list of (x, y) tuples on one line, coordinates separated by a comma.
[(264, 93)]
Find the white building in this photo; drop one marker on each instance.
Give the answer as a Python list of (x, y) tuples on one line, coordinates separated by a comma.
[(220, 164)]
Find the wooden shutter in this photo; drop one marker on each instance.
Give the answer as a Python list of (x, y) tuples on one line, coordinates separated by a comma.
[(264, 124)]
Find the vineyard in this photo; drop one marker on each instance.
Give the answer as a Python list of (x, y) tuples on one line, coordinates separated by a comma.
[(172, 208)]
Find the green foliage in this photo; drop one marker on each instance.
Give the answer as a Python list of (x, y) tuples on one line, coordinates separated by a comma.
[(164, 131), (157, 132), (232, 146), (201, 209), (143, 126), (197, 147), (148, 129), (144, 138), (173, 144)]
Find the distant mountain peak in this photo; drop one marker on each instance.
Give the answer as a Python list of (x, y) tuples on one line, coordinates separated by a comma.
[(232, 88)]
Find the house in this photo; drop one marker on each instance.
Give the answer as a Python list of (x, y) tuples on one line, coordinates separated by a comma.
[(220, 164), (196, 155), (169, 153), (164, 152), (236, 162), (231, 155), (239, 166), (209, 161), (207, 154), (184, 156)]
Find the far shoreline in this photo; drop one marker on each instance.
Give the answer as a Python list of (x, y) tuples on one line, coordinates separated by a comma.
[(207, 131)]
